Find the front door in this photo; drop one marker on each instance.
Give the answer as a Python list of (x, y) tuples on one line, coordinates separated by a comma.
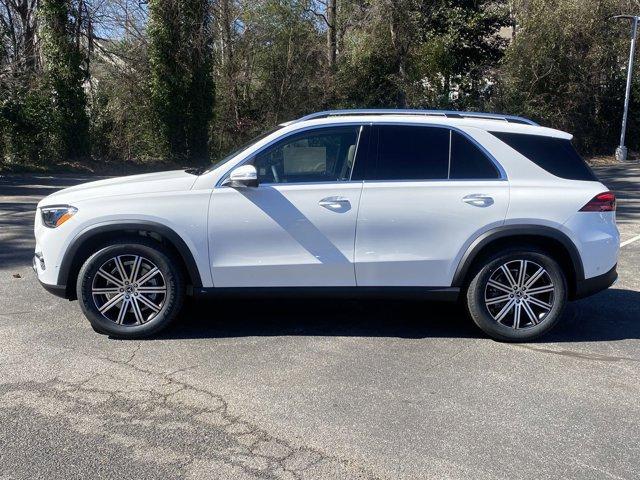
[(297, 228)]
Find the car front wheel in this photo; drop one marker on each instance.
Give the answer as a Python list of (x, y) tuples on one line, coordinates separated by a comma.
[(517, 295), (130, 289)]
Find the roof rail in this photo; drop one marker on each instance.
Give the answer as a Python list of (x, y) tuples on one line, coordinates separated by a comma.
[(400, 111)]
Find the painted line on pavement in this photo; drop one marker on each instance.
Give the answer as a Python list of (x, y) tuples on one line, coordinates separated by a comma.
[(631, 240)]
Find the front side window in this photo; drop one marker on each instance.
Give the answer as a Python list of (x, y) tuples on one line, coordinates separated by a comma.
[(322, 155)]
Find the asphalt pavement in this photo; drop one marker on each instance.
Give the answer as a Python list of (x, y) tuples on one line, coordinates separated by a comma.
[(316, 388)]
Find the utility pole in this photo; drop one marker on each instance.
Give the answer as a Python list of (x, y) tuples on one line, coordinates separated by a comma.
[(621, 151)]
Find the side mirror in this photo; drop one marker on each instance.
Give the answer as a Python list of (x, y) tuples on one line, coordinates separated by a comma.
[(243, 176)]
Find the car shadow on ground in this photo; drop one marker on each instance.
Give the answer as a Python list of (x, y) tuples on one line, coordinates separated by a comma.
[(610, 315), (246, 317)]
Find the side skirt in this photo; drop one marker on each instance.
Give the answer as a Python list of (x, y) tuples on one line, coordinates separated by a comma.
[(441, 294)]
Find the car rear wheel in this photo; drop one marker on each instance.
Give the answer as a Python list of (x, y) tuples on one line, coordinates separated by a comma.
[(130, 289), (517, 295)]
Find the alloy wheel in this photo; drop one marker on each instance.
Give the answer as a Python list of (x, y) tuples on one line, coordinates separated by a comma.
[(129, 290), (519, 294)]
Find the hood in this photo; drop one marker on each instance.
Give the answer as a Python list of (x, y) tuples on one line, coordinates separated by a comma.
[(135, 184)]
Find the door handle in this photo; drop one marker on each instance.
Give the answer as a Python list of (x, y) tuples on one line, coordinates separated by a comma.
[(335, 203), (478, 200)]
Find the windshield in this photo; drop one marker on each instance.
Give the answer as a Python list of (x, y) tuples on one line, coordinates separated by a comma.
[(234, 153)]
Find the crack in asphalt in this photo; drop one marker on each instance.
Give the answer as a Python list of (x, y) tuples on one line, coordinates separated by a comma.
[(204, 435)]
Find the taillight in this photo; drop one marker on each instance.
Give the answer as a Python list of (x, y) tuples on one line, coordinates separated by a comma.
[(603, 202)]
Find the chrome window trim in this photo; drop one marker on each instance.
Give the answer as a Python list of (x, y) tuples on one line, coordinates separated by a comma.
[(336, 182), (450, 151), (502, 174), (433, 180), (355, 154), (290, 134)]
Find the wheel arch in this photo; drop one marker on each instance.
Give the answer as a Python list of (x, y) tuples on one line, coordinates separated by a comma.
[(90, 240), (555, 242)]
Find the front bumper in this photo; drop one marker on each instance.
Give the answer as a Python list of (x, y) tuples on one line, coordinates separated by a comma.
[(593, 285), (57, 290)]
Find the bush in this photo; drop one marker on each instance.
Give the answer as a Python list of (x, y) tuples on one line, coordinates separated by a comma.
[(27, 126)]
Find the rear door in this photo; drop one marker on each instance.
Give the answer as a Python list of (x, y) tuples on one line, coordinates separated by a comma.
[(427, 194)]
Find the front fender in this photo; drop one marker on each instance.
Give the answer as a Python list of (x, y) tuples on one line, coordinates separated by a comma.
[(120, 225)]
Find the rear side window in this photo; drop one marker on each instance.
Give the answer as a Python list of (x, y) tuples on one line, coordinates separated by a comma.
[(407, 152), (556, 155), (468, 162), (412, 153)]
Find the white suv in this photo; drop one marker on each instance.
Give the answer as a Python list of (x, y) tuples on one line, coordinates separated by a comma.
[(493, 210)]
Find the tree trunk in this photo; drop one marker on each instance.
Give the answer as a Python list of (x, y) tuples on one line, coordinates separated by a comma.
[(25, 10), (228, 65), (401, 47), (331, 34), (64, 74)]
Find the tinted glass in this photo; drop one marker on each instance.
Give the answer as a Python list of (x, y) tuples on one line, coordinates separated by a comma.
[(412, 153), (325, 155), (556, 155), (366, 150), (468, 161)]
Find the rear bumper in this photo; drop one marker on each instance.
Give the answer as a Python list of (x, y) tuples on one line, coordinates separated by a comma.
[(590, 286)]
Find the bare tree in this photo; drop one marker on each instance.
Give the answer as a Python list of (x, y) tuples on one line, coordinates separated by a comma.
[(399, 13), (226, 23), (332, 28), (327, 12), (19, 41)]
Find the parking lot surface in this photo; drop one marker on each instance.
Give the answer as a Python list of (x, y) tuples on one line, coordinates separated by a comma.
[(315, 388)]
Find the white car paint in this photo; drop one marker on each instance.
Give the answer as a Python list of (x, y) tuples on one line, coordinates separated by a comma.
[(410, 233), (392, 234), (280, 235), (165, 198)]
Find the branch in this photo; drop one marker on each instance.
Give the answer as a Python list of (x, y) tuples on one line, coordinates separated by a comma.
[(319, 15)]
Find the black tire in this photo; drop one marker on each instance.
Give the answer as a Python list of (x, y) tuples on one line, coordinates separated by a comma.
[(485, 316), (97, 330), (141, 321)]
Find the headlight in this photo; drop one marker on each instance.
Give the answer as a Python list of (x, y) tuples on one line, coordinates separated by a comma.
[(53, 217)]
